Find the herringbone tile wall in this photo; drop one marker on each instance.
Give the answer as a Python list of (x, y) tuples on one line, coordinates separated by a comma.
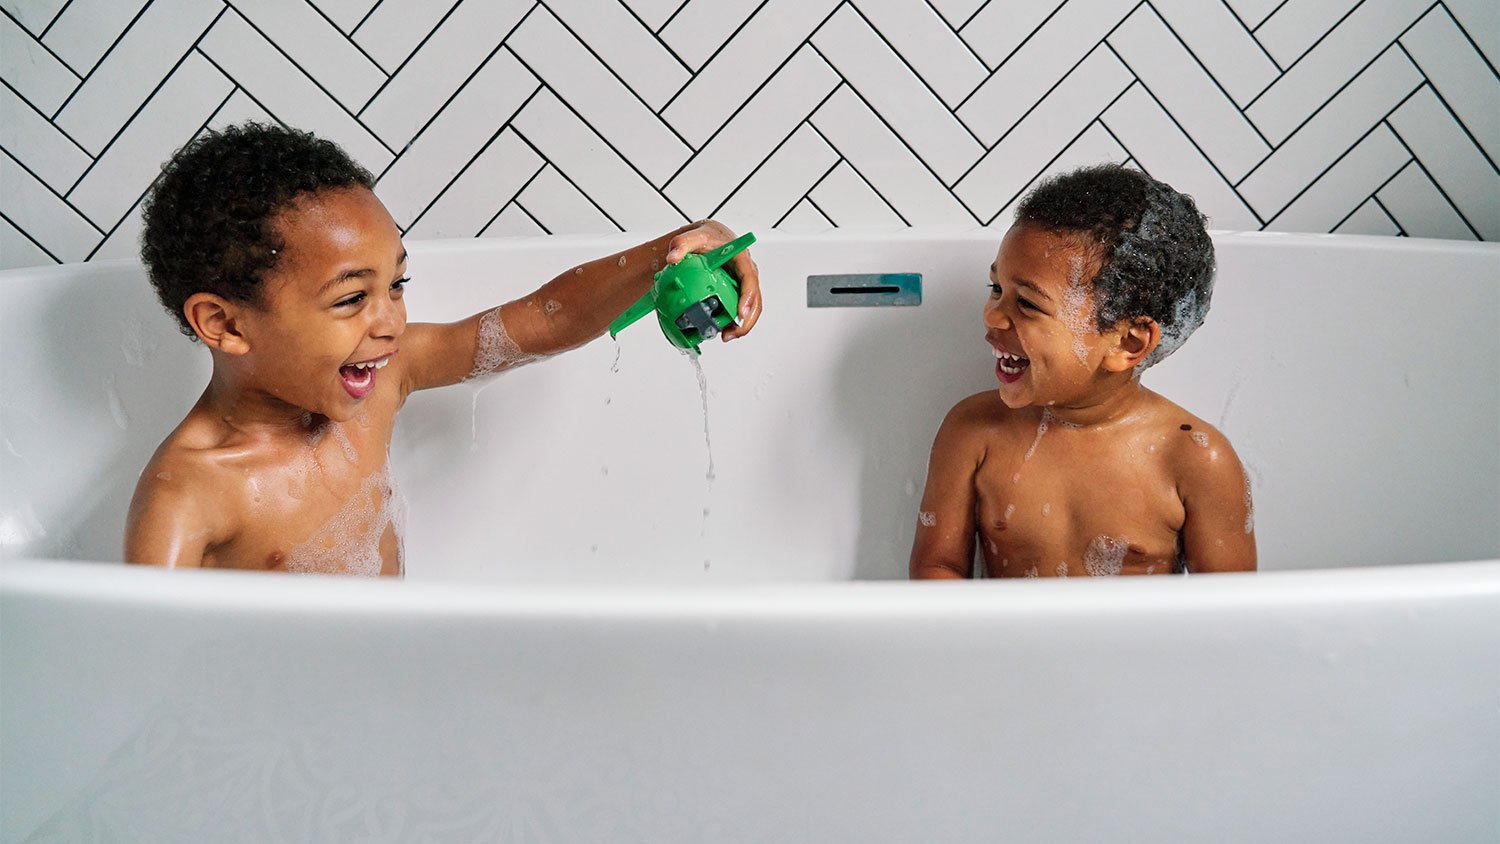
[(496, 117)]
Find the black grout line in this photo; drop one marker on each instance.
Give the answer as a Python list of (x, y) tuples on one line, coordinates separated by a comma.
[(904, 63), (55, 18), (566, 177), (1021, 46), (64, 65), (539, 223), (355, 44), (661, 191), (719, 49), (120, 222), (1451, 113), (1475, 44), (753, 94), (113, 44), (1251, 34), (373, 9), (1331, 97), (470, 163), (868, 183), (43, 115), (406, 60), (806, 121), (1345, 154), (655, 37), (982, 6), (606, 65), (1378, 188), (34, 242), (1320, 39), (49, 189), (1214, 165), (319, 85), (958, 35), (672, 17), (1399, 228), (1206, 72), (512, 201), (1430, 177), (125, 127), (1269, 15)]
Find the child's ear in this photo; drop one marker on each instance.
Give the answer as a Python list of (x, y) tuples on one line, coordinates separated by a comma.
[(216, 322), (1134, 339)]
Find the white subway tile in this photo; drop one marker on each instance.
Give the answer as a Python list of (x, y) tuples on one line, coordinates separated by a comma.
[(1345, 186), (283, 90), (1298, 161), (767, 119), (703, 26), (239, 108), (1169, 72), (469, 202), (624, 44), (1297, 25), (318, 47), (1253, 12), (577, 152), (732, 77), (36, 143), (780, 183), (1160, 148), (1369, 218), (870, 67), (189, 98), (1459, 74), (133, 69), (878, 155), (940, 58), (603, 100), (1000, 28), (26, 66), (552, 201), (1046, 57), (18, 250), (345, 14), (1451, 160), (394, 29), (88, 28), (804, 217), (1416, 205), (512, 221), (44, 216), (440, 67), (455, 136), (1480, 20), (1336, 59), (1094, 146), (1026, 151), (34, 15), (1225, 47), (848, 200)]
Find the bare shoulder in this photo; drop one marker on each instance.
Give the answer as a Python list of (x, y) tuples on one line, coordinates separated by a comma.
[(183, 503), (979, 414), (1197, 453)]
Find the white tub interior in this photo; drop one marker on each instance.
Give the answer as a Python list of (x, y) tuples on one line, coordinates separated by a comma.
[(1359, 379)]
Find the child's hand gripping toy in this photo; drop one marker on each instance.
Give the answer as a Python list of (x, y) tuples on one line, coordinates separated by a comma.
[(694, 299)]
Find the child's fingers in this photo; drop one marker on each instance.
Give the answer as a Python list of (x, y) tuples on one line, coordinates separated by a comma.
[(744, 269)]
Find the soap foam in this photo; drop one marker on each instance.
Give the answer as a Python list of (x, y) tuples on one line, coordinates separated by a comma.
[(1075, 314), (1041, 429), (349, 542), (927, 519), (1105, 556), (1249, 503), (494, 350)]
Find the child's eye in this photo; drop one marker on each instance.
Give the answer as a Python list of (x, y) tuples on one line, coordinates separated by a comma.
[(400, 283), (995, 289), (1026, 303), (352, 300)]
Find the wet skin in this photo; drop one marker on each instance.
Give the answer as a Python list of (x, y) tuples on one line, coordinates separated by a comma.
[(282, 463), (1121, 480)]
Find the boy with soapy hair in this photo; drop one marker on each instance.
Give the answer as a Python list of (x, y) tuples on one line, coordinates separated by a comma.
[(1072, 467), (269, 247)]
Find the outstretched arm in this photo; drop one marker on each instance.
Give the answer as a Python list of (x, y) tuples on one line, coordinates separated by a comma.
[(566, 312), (944, 546)]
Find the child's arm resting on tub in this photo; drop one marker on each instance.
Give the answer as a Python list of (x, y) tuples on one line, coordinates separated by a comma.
[(566, 312), (944, 545), (1218, 529)]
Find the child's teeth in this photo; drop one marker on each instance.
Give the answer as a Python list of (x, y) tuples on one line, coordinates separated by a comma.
[(382, 363)]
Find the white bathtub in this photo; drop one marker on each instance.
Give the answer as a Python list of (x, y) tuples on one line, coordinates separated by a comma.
[(597, 643)]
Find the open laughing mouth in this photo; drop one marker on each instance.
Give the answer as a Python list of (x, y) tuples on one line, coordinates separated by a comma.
[(359, 378), (1008, 367)]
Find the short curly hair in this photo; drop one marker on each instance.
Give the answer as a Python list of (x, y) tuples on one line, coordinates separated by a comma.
[(208, 218), (1150, 243)]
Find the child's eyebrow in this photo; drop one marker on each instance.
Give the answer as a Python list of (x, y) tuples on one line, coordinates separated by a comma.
[(1033, 288), (350, 275)]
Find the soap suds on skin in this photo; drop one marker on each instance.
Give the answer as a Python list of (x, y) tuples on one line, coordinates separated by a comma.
[(494, 350)]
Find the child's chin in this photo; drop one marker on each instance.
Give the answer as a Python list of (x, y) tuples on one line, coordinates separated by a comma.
[(1014, 397)]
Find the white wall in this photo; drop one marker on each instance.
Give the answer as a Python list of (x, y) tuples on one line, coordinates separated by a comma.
[(500, 117)]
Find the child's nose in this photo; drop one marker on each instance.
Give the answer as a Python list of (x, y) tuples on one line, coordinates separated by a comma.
[(996, 316), (391, 320)]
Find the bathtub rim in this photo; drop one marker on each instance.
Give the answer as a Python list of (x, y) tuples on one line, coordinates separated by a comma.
[(118, 584)]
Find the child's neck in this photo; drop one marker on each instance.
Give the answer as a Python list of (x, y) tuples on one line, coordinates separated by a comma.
[(252, 411), (1119, 401)]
